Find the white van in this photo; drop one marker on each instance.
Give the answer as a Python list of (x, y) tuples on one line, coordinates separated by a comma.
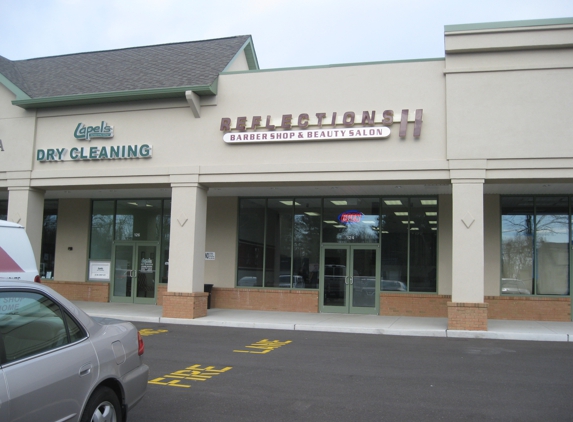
[(17, 260)]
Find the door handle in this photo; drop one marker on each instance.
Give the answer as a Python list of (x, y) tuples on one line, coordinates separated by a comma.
[(351, 280), (86, 369)]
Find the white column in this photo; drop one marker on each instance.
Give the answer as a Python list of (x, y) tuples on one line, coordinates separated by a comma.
[(467, 241), (187, 238), (26, 207)]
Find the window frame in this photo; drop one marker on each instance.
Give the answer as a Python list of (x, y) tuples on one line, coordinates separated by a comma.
[(535, 264)]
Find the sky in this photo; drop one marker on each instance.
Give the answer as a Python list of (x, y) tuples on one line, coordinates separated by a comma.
[(286, 33)]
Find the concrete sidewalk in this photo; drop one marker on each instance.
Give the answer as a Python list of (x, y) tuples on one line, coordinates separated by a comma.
[(339, 323)]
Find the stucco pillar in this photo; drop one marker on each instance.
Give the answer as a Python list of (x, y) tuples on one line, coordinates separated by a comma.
[(185, 297), (26, 207), (73, 232), (467, 310)]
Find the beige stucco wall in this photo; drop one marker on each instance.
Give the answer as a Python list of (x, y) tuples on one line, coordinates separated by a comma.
[(358, 88), (468, 241), (187, 236), (72, 232), (221, 239), (17, 135), (491, 248), (239, 63), (513, 114), (183, 144), (167, 126), (509, 94)]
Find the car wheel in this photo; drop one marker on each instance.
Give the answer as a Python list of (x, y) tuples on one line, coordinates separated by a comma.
[(103, 406)]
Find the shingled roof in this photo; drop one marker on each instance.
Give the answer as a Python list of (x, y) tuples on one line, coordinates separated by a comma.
[(162, 70)]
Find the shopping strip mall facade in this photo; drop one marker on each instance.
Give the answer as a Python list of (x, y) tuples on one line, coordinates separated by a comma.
[(434, 187)]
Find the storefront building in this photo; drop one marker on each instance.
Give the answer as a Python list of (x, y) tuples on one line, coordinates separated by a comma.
[(436, 187)]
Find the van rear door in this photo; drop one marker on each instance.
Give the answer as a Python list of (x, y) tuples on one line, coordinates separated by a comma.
[(17, 261)]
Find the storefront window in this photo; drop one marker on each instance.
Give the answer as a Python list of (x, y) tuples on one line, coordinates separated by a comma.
[(551, 245), (101, 239), (423, 230), (48, 252), (517, 228), (3, 209), (306, 243), (138, 219), (394, 254), (535, 239), (251, 242), (278, 255), (409, 230), (351, 220), (281, 239), (131, 220)]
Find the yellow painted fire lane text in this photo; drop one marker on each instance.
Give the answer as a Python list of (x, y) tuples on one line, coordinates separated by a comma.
[(263, 346), (181, 377)]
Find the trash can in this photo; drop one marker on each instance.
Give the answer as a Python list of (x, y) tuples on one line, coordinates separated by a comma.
[(207, 289)]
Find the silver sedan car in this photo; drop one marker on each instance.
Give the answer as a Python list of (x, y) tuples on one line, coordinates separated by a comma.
[(59, 364)]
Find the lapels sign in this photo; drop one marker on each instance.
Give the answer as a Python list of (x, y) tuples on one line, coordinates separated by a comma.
[(84, 133), (320, 127)]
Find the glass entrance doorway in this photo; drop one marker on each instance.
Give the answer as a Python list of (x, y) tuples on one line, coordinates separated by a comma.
[(135, 272), (348, 282)]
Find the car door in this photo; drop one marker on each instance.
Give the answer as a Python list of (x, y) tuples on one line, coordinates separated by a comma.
[(48, 362), (4, 409)]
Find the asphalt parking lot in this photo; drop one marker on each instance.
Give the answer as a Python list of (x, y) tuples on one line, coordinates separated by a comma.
[(233, 374)]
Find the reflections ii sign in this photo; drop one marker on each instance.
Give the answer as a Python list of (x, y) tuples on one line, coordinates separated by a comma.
[(320, 128)]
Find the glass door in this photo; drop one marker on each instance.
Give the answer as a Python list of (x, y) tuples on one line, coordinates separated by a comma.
[(349, 277), (121, 283), (135, 272)]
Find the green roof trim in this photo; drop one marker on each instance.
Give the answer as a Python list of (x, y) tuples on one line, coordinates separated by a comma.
[(326, 66), (251, 56), (252, 60), (507, 24), (114, 97), (20, 95)]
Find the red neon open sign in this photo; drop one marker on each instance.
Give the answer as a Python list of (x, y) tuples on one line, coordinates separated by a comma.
[(348, 217)]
